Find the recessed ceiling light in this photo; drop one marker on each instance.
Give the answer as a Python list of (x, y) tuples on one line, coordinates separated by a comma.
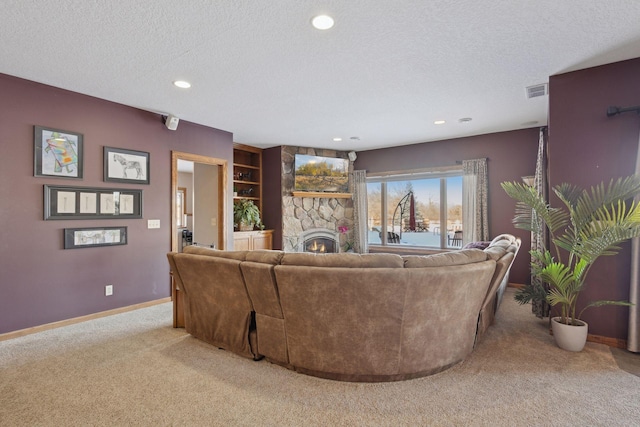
[(182, 84), (465, 120), (322, 22), (337, 139), (439, 122)]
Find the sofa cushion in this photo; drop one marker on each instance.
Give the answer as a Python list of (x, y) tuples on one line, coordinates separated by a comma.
[(511, 239), (476, 245), (265, 256), (261, 285), (464, 256), (495, 252), (203, 250), (348, 260)]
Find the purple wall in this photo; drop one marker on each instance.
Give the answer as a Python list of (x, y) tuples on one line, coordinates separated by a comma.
[(39, 281), (511, 155), (585, 148), (272, 193)]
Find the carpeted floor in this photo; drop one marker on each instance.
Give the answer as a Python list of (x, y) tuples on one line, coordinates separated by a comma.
[(135, 369), (627, 361)]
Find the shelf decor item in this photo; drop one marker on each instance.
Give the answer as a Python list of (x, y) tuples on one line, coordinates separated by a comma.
[(57, 153), (590, 224), (65, 202), (127, 166), (91, 237), (246, 215)]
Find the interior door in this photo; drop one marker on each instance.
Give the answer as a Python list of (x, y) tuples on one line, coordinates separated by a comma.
[(213, 192)]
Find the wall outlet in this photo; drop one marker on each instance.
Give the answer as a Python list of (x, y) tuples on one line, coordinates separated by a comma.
[(214, 222), (108, 290), (153, 223)]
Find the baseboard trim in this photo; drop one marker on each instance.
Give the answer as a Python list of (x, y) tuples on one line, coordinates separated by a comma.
[(516, 285), (67, 322), (611, 342)]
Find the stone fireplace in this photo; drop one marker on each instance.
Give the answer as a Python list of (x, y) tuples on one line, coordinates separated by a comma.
[(319, 241), (304, 216)]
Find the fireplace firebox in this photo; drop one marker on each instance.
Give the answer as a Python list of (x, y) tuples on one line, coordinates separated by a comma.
[(319, 241)]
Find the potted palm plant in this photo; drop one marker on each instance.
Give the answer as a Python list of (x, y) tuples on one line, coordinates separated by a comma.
[(246, 215), (590, 223)]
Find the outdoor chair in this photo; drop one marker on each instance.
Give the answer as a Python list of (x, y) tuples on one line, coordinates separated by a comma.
[(391, 237), (456, 239)]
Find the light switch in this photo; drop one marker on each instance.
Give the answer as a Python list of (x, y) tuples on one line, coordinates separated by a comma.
[(153, 223)]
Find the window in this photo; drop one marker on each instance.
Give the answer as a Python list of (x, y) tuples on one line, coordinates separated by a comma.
[(422, 209), (181, 207)]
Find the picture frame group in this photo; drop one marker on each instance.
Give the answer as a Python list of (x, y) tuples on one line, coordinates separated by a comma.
[(59, 153), (69, 202)]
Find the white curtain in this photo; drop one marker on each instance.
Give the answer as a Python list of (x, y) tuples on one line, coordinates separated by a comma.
[(475, 189), (360, 241), (633, 339)]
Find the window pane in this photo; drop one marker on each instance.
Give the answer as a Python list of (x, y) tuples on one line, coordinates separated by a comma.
[(374, 201), (421, 228), (396, 205), (454, 212)]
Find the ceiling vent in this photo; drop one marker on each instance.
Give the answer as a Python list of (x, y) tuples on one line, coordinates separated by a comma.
[(537, 90)]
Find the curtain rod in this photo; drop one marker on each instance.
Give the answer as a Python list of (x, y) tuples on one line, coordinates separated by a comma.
[(459, 162), (612, 110)]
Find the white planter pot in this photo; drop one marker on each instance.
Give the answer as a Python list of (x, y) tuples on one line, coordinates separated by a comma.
[(569, 337)]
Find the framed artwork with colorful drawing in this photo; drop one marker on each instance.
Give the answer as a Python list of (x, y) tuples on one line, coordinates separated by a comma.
[(127, 166), (65, 202), (57, 153)]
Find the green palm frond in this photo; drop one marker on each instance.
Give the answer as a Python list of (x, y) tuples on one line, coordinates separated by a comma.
[(559, 276), (600, 198), (604, 302), (533, 292), (569, 194), (611, 226), (539, 260), (528, 199)]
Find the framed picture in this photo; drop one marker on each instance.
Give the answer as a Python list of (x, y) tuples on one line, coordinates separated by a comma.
[(65, 202), (128, 166), (57, 153), (92, 237)]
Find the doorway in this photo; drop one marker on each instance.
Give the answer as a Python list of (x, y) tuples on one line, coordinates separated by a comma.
[(210, 174)]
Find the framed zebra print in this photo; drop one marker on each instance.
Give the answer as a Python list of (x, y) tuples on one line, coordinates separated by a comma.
[(128, 166)]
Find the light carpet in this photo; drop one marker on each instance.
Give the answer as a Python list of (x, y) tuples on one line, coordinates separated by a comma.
[(135, 369)]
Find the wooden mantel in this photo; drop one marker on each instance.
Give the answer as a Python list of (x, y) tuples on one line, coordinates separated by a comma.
[(321, 194)]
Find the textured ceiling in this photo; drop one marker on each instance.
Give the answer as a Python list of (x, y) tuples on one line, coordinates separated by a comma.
[(384, 73)]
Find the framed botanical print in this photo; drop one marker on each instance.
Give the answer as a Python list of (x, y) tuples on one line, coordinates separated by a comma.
[(88, 237), (65, 202)]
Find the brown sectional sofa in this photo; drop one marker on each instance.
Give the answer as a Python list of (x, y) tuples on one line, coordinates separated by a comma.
[(349, 317)]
